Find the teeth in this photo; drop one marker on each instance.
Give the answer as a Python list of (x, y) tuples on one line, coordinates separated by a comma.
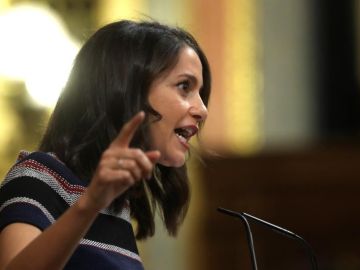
[(182, 138), (188, 131), (184, 134)]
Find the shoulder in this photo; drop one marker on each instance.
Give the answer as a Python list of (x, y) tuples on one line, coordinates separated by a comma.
[(45, 167), (37, 190), (39, 180)]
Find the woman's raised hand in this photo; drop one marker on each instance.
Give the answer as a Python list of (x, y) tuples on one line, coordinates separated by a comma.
[(120, 167)]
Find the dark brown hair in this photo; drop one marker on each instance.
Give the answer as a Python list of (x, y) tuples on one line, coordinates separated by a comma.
[(109, 83)]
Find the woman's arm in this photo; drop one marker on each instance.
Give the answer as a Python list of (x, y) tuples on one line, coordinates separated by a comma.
[(24, 246)]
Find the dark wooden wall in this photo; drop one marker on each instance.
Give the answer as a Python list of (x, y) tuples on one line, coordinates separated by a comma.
[(314, 193)]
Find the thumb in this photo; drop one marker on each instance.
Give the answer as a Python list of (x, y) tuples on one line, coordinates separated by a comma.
[(154, 156)]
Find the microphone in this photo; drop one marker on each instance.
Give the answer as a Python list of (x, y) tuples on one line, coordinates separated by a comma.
[(244, 217)]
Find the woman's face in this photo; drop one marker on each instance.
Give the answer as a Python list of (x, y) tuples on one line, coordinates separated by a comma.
[(176, 97)]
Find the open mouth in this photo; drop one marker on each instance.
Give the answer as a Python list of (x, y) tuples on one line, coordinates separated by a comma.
[(185, 133)]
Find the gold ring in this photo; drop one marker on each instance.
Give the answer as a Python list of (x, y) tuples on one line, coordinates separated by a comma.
[(120, 162)]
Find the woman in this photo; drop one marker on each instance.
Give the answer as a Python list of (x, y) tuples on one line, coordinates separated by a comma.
[(115, 148)]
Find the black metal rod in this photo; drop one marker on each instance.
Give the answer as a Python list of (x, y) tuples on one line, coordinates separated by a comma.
[(248, 234), (287, 233), (243, 216)]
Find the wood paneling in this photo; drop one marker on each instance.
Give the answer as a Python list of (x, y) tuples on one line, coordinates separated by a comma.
[(314, 193)]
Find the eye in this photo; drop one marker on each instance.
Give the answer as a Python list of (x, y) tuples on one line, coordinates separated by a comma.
[(184, 85)]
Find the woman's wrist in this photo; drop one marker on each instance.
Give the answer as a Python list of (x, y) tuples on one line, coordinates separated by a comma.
[(88, 203)]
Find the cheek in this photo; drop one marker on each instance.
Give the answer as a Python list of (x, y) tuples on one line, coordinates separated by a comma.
[(160, 130), (154, 137), (171, 110), (176, 108)]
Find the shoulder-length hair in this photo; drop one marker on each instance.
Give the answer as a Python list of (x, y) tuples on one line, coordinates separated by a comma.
[(109, 83)]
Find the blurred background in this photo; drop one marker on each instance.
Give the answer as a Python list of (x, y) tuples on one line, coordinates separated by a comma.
[(282, 137)]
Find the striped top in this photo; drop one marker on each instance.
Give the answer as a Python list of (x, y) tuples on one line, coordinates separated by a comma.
[(39, 188)]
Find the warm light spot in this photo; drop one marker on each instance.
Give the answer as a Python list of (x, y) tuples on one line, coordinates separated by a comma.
[(242, 83), (36, 48), (113, 10)]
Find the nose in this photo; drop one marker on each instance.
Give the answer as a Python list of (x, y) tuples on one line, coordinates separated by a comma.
[(198, 109)]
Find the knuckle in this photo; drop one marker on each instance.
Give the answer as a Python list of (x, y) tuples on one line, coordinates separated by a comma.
[(126, 175), (128, 178), (141, 157), (137, 152), (107, 153), (147, 165), (132, 164), (103, 175)]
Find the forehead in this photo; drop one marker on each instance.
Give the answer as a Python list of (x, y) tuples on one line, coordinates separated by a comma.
[(187, 64)]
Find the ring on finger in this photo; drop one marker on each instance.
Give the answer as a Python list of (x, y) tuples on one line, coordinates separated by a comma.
[(121, 163)]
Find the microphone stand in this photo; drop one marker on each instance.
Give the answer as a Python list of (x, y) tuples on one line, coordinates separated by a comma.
[(243, 216), (248, 234)]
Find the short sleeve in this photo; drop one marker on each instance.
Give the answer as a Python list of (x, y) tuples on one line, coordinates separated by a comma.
[(36, 192)]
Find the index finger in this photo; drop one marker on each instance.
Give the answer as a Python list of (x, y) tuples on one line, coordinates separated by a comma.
[(128, 130)]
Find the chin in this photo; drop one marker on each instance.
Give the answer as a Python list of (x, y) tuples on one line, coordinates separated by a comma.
[(173, 162)]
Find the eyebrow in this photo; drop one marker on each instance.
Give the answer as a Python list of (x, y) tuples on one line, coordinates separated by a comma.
[(191, 77)]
